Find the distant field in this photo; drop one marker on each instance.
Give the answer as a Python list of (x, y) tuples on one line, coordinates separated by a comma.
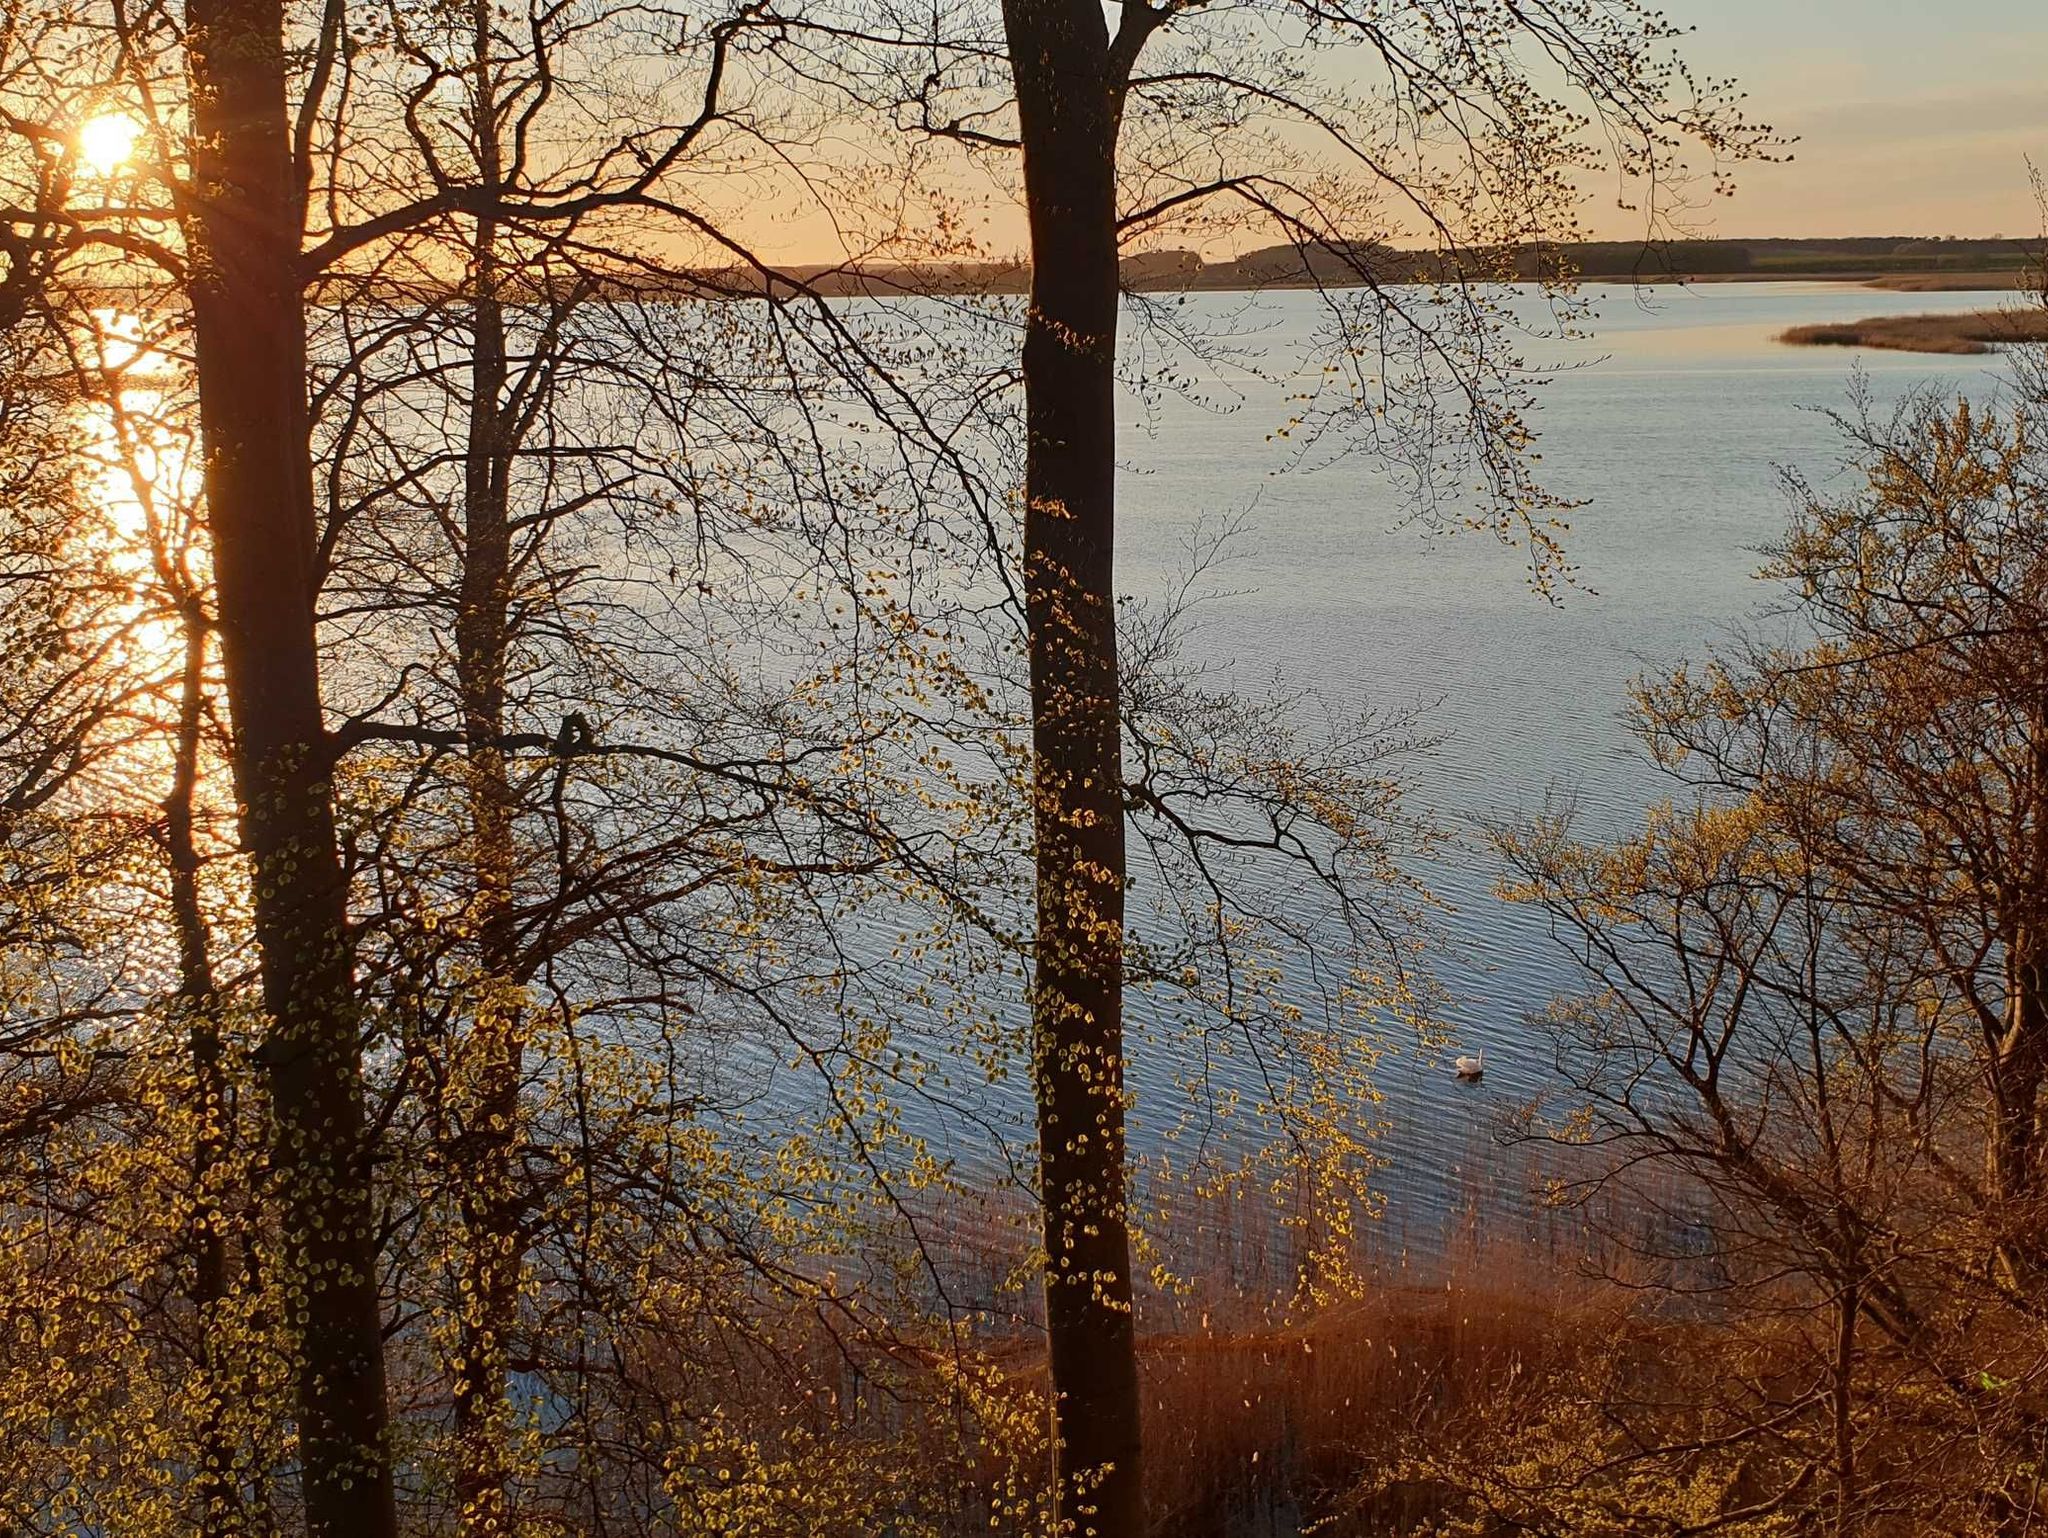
[(1979, 331)]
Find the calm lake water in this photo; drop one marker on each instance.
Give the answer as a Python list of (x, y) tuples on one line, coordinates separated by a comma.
[(1672, 436)]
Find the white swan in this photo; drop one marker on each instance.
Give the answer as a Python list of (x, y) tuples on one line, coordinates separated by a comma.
[(1471, 1067)]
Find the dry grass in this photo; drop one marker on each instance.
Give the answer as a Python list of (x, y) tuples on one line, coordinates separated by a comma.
[(1977, 332), (1254, 1430), (1954, 282), (1265, 1415)]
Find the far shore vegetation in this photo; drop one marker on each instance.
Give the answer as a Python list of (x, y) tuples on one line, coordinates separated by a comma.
[(1892, 262), (1329, 264)]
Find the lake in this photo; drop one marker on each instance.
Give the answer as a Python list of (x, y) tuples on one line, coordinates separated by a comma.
[(1672, 436)]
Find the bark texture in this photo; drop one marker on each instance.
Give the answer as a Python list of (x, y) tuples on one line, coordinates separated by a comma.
[(487, 1102), (216, 1493), (250, 344), (1067, 109)]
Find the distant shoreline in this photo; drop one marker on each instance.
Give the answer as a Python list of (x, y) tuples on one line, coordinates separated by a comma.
[(1898, 263), (1184, 273)]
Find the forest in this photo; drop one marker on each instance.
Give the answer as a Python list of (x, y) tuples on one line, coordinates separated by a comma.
[(612, 924)]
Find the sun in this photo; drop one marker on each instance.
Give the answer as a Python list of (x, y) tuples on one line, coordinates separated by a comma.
[(105, 142)]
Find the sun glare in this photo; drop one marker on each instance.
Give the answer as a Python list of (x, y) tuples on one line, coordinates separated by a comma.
[(106, 142)]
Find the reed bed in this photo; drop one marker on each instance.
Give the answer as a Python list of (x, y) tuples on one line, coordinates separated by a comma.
[(1980, 331)]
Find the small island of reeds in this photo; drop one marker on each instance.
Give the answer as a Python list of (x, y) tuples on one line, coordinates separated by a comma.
[(1977, 331)]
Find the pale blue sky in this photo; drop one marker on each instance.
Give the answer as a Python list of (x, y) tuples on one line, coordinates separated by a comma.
[(1916, 116)]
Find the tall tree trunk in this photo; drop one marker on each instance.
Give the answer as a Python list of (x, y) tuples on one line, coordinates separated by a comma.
[(250, 345), (487, 1116), (1066, 101)]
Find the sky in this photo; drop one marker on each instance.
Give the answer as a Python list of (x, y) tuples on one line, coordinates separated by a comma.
[(1915, 117)]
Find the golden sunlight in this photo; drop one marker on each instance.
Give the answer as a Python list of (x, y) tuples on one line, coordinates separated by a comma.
[(106, 142), (136, 439)]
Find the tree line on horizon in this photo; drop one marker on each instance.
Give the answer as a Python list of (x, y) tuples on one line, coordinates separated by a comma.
[(1331, 260), (1354, 262)]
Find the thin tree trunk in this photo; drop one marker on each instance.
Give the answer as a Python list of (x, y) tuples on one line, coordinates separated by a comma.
[(216, 1494), (250, 345), (1849, 1308), (1059, 57)]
